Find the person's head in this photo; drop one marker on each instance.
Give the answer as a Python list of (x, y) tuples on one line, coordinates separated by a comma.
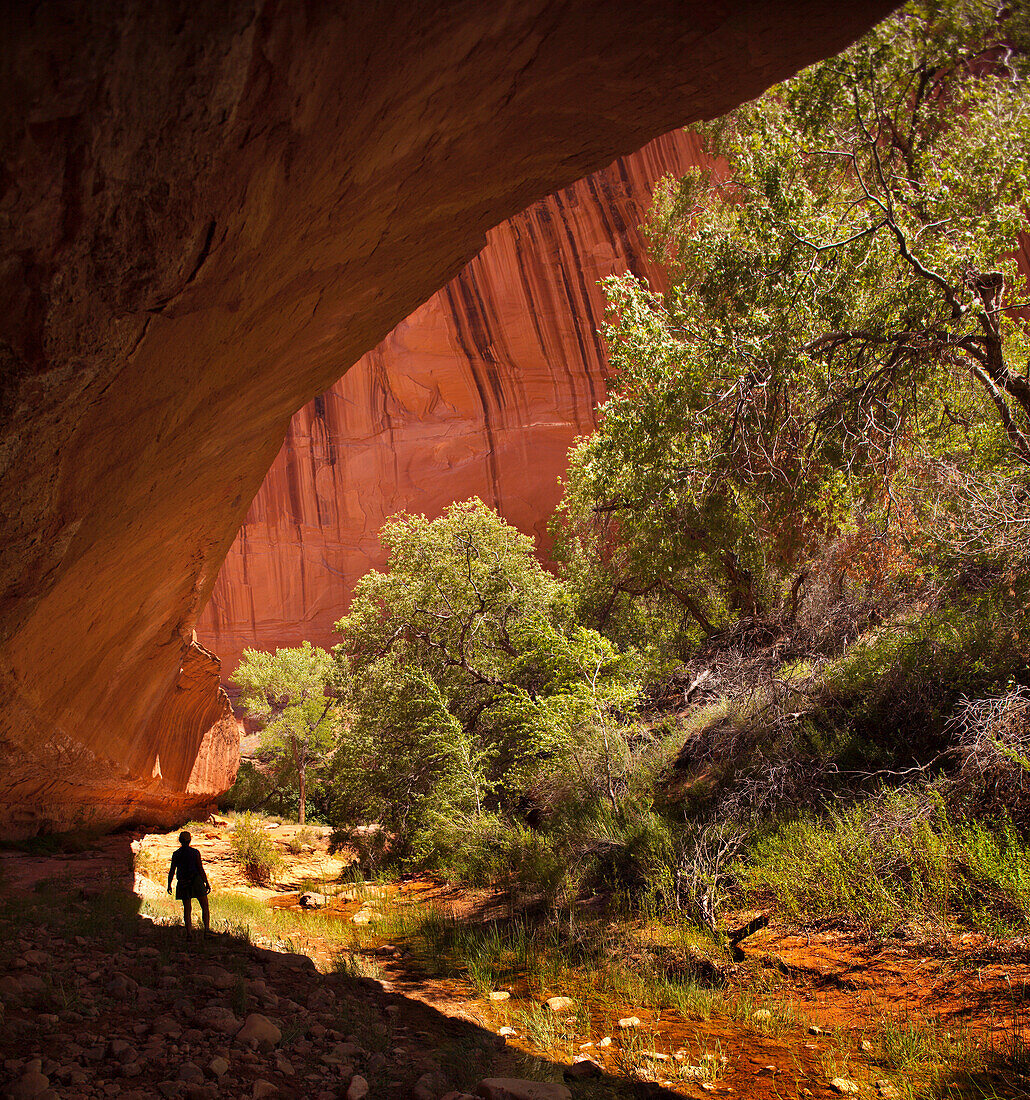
[(185, 838)]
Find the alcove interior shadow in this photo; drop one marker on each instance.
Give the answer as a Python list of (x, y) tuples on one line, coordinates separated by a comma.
[(100, 951)]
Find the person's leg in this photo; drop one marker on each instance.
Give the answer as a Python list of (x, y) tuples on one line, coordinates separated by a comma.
[(187, 915), (205, 912)]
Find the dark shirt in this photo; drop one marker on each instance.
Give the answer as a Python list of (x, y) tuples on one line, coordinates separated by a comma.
[(187, 862)]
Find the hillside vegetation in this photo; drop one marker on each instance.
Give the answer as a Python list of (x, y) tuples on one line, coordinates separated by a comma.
[(782, 658)]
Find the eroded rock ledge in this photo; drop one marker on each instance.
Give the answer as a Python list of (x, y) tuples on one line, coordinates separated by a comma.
[(208, 212)]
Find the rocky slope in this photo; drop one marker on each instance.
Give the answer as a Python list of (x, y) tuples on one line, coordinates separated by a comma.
[(479, 392), (207, 213)]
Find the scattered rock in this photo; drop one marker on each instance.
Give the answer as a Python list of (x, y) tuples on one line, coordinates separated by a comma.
[(499, 995), (629, 1023), (30, 1085), (605, 1042), (362, 916), (581, 1070), (358, 1088), (504, 1032), (122, 987), (512, 1088), (217, 1066), (558, 1004), (429, 1086), (815, 1029), (261, 1030), (653, 1056), (191, 1074), (887, 1090), (761, 1015), (866, 1047), (845, 1086), (312, 901), (263, 1088), (217, 1018)]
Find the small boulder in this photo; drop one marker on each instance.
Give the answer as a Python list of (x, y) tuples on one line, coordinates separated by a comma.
[(505, 1032), (259, 1029), (845, 1086), (499, 995), (263, 1088), (217, 1066), (358, 1088), (122, 987), (581, 1070), (605, 1042), (311, 900), (191, 1074), (558, 1004), (31, 1084), (217, 1018), (629, 1023)]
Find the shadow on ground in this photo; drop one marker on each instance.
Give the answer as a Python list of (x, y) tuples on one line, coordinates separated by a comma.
[(101, 1001)]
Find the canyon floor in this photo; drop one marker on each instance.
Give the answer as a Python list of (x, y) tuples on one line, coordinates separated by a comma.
[(404, 986)]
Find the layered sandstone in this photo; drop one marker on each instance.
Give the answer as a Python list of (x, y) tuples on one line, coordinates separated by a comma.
[(208, 212), (480, 392)]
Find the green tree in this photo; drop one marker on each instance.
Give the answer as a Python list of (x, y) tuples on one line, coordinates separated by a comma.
[(293, 695), (839, 317), (462, 661)]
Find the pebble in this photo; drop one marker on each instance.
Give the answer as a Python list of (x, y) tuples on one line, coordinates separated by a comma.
[(560, 1004), (582, 1069), (263, 1088), (259, 1029), (358, 1088), (844, 1085), (499, 995), (629, 1023)]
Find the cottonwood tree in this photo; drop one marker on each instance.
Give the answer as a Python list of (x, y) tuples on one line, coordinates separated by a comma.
[(292, 693), (454, 693), (843, 309)]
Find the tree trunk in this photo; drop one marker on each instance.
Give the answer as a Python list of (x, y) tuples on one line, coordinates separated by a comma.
[(303, 792)]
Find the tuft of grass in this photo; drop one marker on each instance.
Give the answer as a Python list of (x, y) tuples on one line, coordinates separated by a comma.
[(891, 857), (301, 839), (255, 851)]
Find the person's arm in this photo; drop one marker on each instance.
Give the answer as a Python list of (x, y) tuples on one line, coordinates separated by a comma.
[(171, 868), (203, 873)]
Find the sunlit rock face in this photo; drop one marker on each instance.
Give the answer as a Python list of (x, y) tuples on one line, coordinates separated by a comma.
[(480, 392), (207, 212)]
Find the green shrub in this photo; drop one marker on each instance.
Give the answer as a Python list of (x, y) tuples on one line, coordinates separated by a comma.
[(254, 850)]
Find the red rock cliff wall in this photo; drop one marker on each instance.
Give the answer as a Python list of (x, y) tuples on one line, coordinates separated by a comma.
[(480, 392), (206, 210)]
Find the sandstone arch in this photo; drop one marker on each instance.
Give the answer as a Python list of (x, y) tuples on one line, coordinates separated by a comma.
[(209, 211)]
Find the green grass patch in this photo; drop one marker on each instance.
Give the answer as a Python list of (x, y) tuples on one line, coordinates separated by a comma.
[(892, 857)]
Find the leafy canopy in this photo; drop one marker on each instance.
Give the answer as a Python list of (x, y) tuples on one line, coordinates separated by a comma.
[(838, 317), (467, 678), (291, 693)]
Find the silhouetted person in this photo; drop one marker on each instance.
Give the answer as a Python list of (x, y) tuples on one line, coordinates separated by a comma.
[(192, 881)]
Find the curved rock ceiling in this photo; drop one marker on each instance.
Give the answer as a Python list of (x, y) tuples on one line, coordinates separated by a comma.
[(480, 392), (206, 210)]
